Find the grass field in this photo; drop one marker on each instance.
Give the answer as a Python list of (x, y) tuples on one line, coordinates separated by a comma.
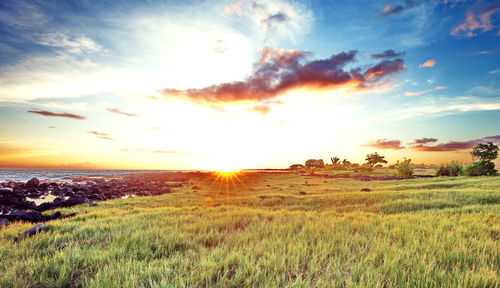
[(277, 230)]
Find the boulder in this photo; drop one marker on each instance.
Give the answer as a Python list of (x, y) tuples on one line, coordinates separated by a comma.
[(75, 200), (33, 183), (6, 191), (30, 232), (29, 216)]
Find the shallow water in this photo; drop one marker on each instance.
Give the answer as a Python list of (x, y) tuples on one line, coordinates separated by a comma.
[(45, 199)]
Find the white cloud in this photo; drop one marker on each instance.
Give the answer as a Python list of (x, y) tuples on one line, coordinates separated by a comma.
[(442, 106), (492, 90), (274, 20), (75, 44)]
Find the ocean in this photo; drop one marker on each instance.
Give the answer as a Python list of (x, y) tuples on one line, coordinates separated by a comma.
[(57, 175)]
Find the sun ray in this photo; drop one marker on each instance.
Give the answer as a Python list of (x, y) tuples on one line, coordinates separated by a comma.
[(227, 184)]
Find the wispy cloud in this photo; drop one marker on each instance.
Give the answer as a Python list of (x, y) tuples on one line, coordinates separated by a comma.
[(455, 145), (425, 91), (118, 111), (488, 52), (101, 135), (277, 19), (473, 24), (175, 152), (428, 63), (72, 43), (98, 133), (54, 114), (439, 106), (397, 9), (106, 138), (234, 8), (279, 71), (385, 144)]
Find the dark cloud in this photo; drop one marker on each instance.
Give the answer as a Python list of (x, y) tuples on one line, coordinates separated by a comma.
[(279, 71), (52, 127), (425, 140), (392, 10), (385, 144), (388, 54), (455, 145), (274, 19), (53, 114), (118, 111)]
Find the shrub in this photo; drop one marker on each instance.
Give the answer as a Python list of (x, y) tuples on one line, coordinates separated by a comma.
[(297, 168), (315, 163), (454, 168), (404, 169), (363, 168), (480, 168)]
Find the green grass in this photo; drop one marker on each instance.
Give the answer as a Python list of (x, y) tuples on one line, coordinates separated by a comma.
[(437, 232)]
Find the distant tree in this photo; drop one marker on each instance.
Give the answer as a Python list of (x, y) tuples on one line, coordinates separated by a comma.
[(315, 163), (335, 160), (488, 152), (296, 167), (404, 169), (346, 163), (374, 158), (482, 154)]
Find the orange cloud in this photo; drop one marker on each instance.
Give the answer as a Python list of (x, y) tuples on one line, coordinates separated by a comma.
[(53, 114), (425, 91), (279, 71), (262, 109), (472, 23), (428, 63), (385, 144)]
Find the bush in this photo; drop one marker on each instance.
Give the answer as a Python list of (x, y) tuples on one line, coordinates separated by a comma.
[(454, 168), (297, 168), (480, 168), (315, 163), (363, 168), (404, 169)]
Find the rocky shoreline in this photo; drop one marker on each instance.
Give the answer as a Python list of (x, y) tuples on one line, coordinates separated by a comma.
[(18, 199)]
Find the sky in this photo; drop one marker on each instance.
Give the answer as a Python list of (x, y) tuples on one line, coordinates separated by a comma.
[(245, 84)]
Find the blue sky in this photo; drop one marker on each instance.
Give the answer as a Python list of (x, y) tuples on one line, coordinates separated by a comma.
[(205, 84)]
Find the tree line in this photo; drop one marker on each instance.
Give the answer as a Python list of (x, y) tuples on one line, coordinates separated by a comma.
[(483, 155)]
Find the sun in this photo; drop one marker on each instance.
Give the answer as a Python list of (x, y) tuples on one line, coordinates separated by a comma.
[(226, 162)]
